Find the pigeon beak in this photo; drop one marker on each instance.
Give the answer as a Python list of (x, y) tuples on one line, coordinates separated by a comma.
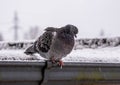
[(75, 35)]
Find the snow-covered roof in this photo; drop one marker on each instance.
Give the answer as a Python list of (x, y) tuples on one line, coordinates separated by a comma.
[(104, 52)]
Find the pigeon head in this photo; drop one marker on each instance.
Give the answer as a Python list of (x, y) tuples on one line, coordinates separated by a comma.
[(71, 29)]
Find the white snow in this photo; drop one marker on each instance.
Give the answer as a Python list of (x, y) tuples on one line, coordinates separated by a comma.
[(18, 55), (87, 55), (99, 55)]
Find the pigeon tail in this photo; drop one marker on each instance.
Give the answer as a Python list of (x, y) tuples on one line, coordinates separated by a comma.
[(30, 50)]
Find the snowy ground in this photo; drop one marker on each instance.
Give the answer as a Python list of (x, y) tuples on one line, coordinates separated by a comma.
[(88, 55)]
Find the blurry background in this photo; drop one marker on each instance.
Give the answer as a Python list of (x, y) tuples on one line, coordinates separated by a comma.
[(26, 19)]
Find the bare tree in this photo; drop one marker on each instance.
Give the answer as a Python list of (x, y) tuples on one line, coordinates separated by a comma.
[(33, 33), (26, 37), (102, 33)]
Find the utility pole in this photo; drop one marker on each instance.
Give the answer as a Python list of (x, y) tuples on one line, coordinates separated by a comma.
[(16, 27)]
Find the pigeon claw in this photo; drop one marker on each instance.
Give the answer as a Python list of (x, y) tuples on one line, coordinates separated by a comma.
[(57, 62), (53, 60)]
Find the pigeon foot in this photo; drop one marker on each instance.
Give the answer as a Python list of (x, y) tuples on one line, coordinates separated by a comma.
[(61, 63)]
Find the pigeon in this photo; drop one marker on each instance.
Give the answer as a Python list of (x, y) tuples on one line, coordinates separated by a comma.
[(54, 43)]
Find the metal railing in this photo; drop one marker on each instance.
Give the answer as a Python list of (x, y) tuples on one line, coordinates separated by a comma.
[(43, 73)]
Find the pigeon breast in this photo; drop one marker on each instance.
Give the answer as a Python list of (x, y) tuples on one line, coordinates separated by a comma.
[(62, 45)]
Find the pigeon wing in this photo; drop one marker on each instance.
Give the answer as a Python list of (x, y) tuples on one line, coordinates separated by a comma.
[(44, 42)]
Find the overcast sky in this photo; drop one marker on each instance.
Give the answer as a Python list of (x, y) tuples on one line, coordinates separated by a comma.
[(90, 16)]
